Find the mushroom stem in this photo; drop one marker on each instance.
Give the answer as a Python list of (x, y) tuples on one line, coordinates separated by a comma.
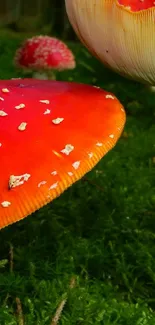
[(51, 75), (42, 75)]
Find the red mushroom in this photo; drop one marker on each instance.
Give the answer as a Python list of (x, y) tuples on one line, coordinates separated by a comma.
[(43, 55), (51, 134), (119, 32)]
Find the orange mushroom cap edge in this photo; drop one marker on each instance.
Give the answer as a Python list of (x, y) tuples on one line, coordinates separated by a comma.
[(51, 134)]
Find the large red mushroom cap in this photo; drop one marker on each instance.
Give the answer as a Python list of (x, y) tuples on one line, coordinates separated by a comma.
[(51, 134), (118, 32), (44, 53)]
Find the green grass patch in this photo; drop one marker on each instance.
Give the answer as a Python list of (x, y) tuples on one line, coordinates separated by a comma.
[(101, 231)]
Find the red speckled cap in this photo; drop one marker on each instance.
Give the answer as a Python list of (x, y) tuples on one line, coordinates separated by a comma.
[(43, 53), (51, 134)]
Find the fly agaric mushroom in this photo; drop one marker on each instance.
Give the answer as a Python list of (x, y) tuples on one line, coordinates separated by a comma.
[(118, 32), (43, 55), (46, 149)]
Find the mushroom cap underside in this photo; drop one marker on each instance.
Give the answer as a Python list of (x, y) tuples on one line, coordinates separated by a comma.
[(51, 134), (118, 34)]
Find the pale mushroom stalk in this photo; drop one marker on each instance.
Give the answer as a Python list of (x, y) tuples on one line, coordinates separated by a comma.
[(51, 75), (44, 75), (40, 75)]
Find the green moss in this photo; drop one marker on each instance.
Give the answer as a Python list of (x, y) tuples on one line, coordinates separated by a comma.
[(101, 230)]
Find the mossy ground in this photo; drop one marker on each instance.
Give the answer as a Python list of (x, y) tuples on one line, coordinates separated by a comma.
[(101, 231)]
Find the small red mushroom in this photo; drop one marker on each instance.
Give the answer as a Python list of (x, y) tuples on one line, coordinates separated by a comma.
[(51, 134), (43, 55), (118, 32)]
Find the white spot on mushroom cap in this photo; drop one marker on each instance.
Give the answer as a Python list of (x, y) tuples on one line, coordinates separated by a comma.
[(5, 204), (54, 173), (68, 149), (42, 183), (109, 96), (99, 144), (0, 144), (76, 164), (1, 98), (5, 90), (20, 106), (48, 111), (18, 180), (22, 126), (128, 7), (70, 173), (90, 154), (44, 101), (53, 186), (2, 113), (111, 136), (58, 120)]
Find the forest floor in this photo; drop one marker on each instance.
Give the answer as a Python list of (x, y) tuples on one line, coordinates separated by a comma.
[(99, 234)]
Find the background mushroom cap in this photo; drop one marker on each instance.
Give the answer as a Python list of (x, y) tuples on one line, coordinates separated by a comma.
[(122, 37), (44, 52), (51, 134)]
